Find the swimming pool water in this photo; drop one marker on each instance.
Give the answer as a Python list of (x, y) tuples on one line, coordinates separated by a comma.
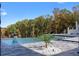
[(15, 41)]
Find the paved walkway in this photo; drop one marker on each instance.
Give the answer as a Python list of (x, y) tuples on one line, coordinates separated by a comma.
[(68, 49), (73, 52), (18, 51)]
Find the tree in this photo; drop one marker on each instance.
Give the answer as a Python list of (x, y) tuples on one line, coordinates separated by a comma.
[(76, 12), (10, 30), (46, 38), (57, 23)]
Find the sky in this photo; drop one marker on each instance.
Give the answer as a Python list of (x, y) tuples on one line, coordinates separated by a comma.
[(11, 12)]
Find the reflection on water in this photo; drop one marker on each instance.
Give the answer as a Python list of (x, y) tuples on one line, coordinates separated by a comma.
[(14, 41)]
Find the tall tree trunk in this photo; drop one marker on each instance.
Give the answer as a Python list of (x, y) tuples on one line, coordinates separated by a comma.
[(46, 45)]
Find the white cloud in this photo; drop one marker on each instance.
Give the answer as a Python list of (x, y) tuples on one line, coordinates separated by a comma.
[(3, 12)]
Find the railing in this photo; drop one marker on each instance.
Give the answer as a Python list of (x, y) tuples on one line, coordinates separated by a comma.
[(67, 37)]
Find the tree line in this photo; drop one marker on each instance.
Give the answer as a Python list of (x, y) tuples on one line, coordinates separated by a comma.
[(56, 23)]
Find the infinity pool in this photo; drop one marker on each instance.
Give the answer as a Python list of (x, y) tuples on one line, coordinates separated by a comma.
[(15, 41)]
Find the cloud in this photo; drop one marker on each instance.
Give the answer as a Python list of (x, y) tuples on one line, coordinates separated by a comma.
[(3, 12)]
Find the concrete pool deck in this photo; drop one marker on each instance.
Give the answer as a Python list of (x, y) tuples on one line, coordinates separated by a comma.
[(18, 51), (57, 46), (67, 48)]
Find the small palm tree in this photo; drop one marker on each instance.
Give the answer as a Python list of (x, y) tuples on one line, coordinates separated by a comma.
[(46, 38)]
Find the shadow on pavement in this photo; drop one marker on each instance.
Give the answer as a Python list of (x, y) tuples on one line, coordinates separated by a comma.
[(73, 52), (18, 51)]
